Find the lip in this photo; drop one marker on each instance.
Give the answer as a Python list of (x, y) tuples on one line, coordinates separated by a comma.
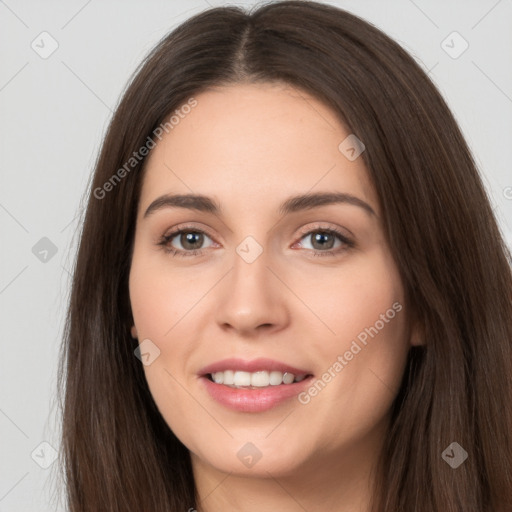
[(254, 365), (256, 399)]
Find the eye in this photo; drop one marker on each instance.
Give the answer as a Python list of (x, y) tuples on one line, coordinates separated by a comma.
[(326, 241), (189, 241), (185, 242)]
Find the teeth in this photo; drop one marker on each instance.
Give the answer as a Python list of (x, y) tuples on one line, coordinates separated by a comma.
[(260, 379), (228, 377), (288, 378), (275, 378), (242, 379)]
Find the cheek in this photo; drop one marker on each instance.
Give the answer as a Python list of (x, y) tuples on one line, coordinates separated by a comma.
[(159, 304), (362, 350), (354, 301), (159, 298)]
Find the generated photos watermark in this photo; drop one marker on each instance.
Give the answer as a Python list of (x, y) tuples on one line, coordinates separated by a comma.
[(138, 156), (344, 359)]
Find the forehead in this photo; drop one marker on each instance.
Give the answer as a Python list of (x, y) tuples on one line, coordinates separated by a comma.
[(254, 142)]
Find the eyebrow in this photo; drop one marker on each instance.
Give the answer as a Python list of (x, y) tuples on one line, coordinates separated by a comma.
[(293, 204)]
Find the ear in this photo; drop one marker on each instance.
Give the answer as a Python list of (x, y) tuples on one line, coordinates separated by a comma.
[(417, 333), (133, 331), (416, 340)]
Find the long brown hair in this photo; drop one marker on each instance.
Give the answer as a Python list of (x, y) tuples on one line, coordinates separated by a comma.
[(118, 454)]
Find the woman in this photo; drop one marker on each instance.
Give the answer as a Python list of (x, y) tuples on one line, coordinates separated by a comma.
[(212, 361)]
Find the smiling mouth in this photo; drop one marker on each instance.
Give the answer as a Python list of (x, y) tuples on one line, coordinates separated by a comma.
[(239, 379)]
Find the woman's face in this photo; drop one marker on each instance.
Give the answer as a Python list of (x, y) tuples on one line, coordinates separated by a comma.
[(281, 273)]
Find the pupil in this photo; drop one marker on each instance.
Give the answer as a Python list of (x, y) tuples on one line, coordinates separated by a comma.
[(191, 239), (321, 238)]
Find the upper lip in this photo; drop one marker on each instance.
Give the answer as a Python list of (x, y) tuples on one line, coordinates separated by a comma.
[(253, 365)]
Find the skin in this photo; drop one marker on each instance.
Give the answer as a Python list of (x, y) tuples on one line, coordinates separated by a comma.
[(250, 147)]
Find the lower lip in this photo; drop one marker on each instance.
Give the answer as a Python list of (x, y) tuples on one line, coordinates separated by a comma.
[(254, 400)]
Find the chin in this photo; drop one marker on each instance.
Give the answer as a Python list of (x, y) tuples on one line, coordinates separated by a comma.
[(253, 458)]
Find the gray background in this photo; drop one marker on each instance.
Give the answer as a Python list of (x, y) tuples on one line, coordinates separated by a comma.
[(54, 112)]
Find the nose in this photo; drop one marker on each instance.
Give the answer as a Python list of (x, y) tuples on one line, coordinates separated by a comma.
[(253, 300)]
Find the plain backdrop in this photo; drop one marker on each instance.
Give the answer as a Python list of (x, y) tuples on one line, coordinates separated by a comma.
[(54, 111)]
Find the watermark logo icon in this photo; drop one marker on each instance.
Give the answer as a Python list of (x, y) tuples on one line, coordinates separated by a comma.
[(44, 250), (147, 352), (454, 45), (249, 249), (454, 455), (44, 45), (249, 455), (44, 455), (351, 147)]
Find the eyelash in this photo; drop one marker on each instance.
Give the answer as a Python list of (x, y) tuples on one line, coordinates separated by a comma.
[(166, 239)]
